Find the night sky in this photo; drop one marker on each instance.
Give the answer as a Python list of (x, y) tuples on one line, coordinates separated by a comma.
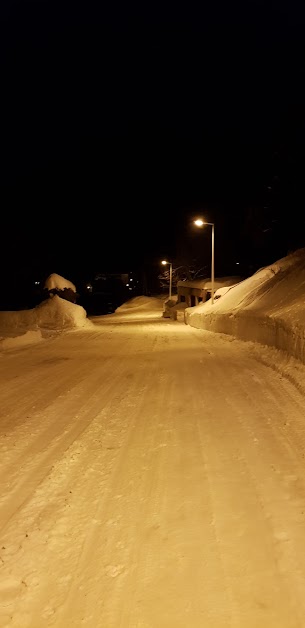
[(123, 121)]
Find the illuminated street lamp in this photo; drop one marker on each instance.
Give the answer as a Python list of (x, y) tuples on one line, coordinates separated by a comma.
[(164, 262), (202, 223)]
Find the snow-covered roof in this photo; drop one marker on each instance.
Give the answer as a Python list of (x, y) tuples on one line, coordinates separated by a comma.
[(57, 282), (206, 284)]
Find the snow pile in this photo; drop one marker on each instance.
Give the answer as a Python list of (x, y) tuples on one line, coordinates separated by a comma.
[(268, 308), (30, 326), (56, 282), (57, 313), (141, 302), (221, 291), (14, 321)]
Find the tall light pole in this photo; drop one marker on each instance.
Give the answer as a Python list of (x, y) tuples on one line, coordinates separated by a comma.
[(164, 262), (202, 223)]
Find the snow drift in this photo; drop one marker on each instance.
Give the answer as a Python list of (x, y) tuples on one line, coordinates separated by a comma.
[(30, 326), (268, 308), (140, 302)]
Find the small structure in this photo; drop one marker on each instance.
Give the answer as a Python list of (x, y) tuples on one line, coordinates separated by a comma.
[(194, 292), (191, 293)]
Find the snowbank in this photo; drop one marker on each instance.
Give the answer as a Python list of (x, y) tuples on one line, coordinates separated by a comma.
[(57, 313), (31, 326), (267, 308), (141, 302)]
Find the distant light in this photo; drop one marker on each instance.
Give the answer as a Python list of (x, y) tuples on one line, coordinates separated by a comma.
[(131, 279), (127, 285), (199, 222), (130, 288), (237, 262), (164, 262), (37, 283)]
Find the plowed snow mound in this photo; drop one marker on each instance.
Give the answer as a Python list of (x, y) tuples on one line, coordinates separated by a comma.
[(268, 308), (141, 302)]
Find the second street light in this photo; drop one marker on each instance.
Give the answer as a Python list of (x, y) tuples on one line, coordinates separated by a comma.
[(202, 223), (164, 262)]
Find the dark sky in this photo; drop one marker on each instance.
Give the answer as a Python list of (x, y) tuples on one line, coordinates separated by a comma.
[(122, 120)]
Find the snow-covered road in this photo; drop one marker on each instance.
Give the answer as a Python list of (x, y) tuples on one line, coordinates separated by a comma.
[(151, 476)]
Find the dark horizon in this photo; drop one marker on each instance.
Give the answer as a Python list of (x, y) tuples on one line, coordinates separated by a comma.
[(121, 125)]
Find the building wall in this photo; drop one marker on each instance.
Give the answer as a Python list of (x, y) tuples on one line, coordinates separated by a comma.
[(192, 296)]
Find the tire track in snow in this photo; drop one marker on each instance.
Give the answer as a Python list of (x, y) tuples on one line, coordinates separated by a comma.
[(126, 563), (32, 462), (184, 512), (250, 446)]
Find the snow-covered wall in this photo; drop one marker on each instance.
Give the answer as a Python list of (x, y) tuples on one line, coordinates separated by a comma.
[(268, 308)]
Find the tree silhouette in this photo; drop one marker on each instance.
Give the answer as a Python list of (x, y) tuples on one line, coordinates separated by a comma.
[(182, 272)]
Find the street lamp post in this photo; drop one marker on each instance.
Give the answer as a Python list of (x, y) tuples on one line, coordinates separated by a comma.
[(164, 262), (202, 223)]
